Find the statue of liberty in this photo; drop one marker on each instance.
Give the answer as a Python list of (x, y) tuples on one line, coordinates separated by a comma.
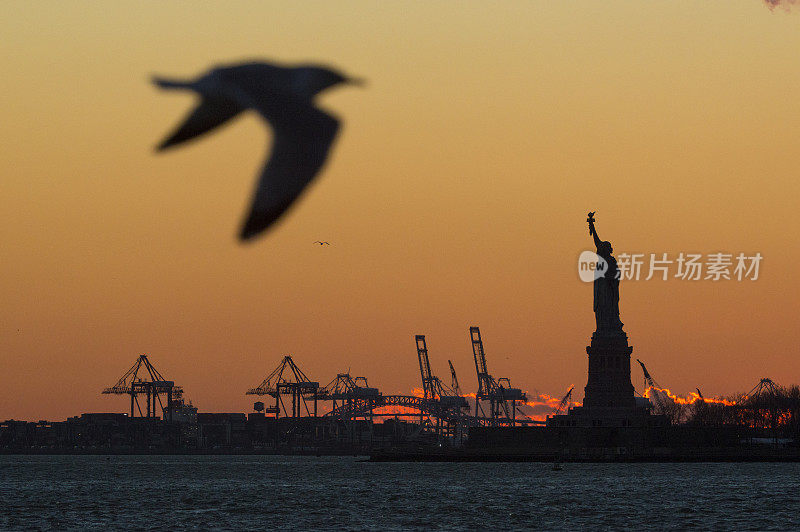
[(606, 288)]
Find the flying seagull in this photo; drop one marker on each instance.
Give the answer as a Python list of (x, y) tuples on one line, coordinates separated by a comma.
[(322, 243), (283, 96)]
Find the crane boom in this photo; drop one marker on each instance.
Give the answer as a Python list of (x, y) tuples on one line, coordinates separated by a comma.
[(647, 378), (425, 367), (564, 401), (454, 379), (649, 382), (484, 380)]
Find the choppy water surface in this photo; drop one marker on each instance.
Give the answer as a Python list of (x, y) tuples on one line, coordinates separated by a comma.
[(249, 492)]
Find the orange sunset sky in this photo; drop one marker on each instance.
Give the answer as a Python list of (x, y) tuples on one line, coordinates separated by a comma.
[(456, 195)]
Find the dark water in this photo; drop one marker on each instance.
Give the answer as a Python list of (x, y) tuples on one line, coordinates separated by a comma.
[(257, 492)]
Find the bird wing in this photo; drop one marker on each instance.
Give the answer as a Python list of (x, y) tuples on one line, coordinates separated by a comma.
[(302, 138), (212, 111)]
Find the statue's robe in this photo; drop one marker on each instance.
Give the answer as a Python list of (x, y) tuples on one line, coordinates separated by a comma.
[(606, 298)]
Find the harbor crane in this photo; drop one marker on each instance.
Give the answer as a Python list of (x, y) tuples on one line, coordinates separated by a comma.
[(150, 383), (429, 382), (765, 386), (501, 396), (446, 403), (453, 379), (656, 389), (762, 404), (288, 380), (346, 388), (665, 405), (433, 389), (564, 401), (352, 399)]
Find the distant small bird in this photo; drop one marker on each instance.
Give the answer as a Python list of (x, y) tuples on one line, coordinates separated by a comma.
[(284, 98), (322, 243)]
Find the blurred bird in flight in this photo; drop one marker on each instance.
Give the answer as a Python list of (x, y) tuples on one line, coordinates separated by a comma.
[(322, 243), (283, 96)]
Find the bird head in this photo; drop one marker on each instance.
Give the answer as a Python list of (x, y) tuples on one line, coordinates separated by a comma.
[(312, 80)]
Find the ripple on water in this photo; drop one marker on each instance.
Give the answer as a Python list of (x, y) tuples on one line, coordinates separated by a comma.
[(246, 492)]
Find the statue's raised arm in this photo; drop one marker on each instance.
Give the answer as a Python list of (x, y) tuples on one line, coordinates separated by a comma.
[(593, 231)]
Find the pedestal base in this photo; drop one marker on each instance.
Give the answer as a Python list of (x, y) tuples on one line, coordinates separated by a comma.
[(609, 383), (636, 416)]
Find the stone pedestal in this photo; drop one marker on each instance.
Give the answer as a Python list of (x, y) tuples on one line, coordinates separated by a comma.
[(609, 400), (609, 384)]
